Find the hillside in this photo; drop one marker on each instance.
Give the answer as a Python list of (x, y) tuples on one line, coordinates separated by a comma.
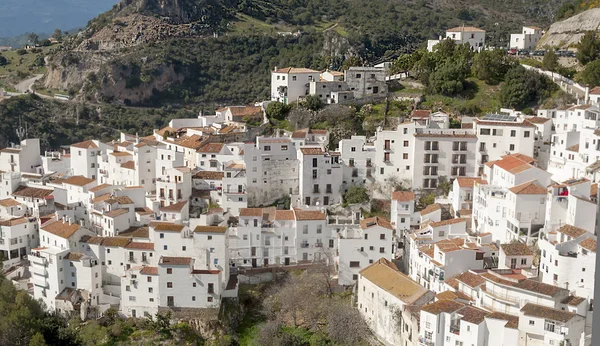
[(570, 31), (151, 52)]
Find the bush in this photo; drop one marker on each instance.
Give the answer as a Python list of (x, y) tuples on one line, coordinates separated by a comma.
[(356, 194), (491, 65), (523, 87), (590, 76), (277, 110), (21, 51)]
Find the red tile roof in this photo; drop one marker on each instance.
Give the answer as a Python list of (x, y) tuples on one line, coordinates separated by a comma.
[(403, 196), (529, 188), (375, 221), (79, 180), (85, 145)]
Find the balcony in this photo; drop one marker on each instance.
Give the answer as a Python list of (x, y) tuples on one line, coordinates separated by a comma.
[(40, 282), (39, 271), (304, 245), (39, 260), (316, 191), (455, 329), (426, 342)]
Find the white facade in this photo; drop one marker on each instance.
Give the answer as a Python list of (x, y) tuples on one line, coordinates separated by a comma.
[(289, 84), (466, 34), (527, 39)]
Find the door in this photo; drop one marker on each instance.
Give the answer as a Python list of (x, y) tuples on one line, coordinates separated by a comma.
[(287, 261), (170, 301), (266, 262), (254, 263), (513, 263)]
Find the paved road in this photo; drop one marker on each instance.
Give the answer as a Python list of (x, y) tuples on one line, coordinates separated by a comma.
[(25, 85)]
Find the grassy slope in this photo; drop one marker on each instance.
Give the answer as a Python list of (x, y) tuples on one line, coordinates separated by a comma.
[(21, 66)]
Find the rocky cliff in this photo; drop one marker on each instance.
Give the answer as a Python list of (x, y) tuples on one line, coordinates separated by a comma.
[(569, 32)]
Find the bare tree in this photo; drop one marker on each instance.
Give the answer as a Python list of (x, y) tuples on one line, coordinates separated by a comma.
[(345, 326)]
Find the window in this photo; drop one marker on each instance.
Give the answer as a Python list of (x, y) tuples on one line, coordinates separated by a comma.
[(193, 298), (169, 285), (162, 236), (315, 161), (211, 288), (406, 143), (382, 236), (405, 156), (354, 264), (169, 270), (284, 148), (381, 250), (526, 134), (531, 322), (209, 299), (512, 147), (523, 261), (267, 148), (149, 279), (513, 133), (183, 248), (484, 131)]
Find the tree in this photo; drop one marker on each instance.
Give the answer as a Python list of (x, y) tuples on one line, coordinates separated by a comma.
[(313, 102), (356, 194), (3, 60), (444, 186), (491, 65), (345, 326), (277, 110), (449, 79), (588, 48), (590, 76), (425, 199), (37, 340), (57, 35), (550, 61), (522, 87), (33, 38)]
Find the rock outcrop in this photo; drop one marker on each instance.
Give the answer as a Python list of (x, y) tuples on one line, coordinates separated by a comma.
[(569, 32)]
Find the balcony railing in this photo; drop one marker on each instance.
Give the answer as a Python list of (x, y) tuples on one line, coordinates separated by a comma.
[(304, 245)]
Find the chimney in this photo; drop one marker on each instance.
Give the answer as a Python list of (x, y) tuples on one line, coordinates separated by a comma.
[(275, 69)]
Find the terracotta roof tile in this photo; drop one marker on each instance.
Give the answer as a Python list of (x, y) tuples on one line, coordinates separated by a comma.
[(447, 306), (573, 300), (73, 256), (516, 249), (295, 70), (79, 180), (538, 120), (529, 188), (116, 212), (470, 279), (403, 196), (32, 192), (210, 229), (120, 153), (420, 113), (115, 241), (284, 215), (386, 275), (99, 187), (572, 231), (547, 313), (147, 270), (375, 221), (128, 165), (167, 227), (447, 222), (465, 29), (472, 314), (468, 182), (136, 232), (9, 202), (140, 246), (538, 287), (176, 207), (430, 209), (589, 244), (61, 228), (312, 151), (176, 261), (85, 145), (306, 215), (213, 148), (209, 175)]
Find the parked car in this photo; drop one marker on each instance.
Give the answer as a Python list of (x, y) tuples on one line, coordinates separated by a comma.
[(539, 52), (523, 52), (512, 51)]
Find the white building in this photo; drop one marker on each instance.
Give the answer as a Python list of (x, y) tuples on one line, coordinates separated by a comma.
[(291, 83), (383, 297), (527, 39), (360, 247), (402, 212), (24, 158), (320, 178), (475, 37)]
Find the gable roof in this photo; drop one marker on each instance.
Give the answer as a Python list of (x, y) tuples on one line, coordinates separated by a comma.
[(447, 306), (420, 113), (148, 270), (572, 231), (589, 244), (307, 215), (176, 207), (32, 192), (430, 209), (312, 151), (386, 276), (116, 212), (9, 202), (470, 279), (512, 164), (538, 287), (61, 228), (78, 180), (448, 222), (256, 212), (85, 145), (529, 188), (209, 175), (468, 181), (136, 245), (512, 321), (516, 249), (548, 313), (176, 261), (167, 227), (128, 165), (538, 120), (295, 70), (403, 196), (376, 221), (472, 314), (99, 187), (212, 148), (210, 229), (465, 29)]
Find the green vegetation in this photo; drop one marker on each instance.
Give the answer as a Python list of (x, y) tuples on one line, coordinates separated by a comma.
[(588, 48), (550, 61), (490, 66), (57, 123), (573, 7), (524, 87), (591, 74), (356, 194), (16, 65)]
